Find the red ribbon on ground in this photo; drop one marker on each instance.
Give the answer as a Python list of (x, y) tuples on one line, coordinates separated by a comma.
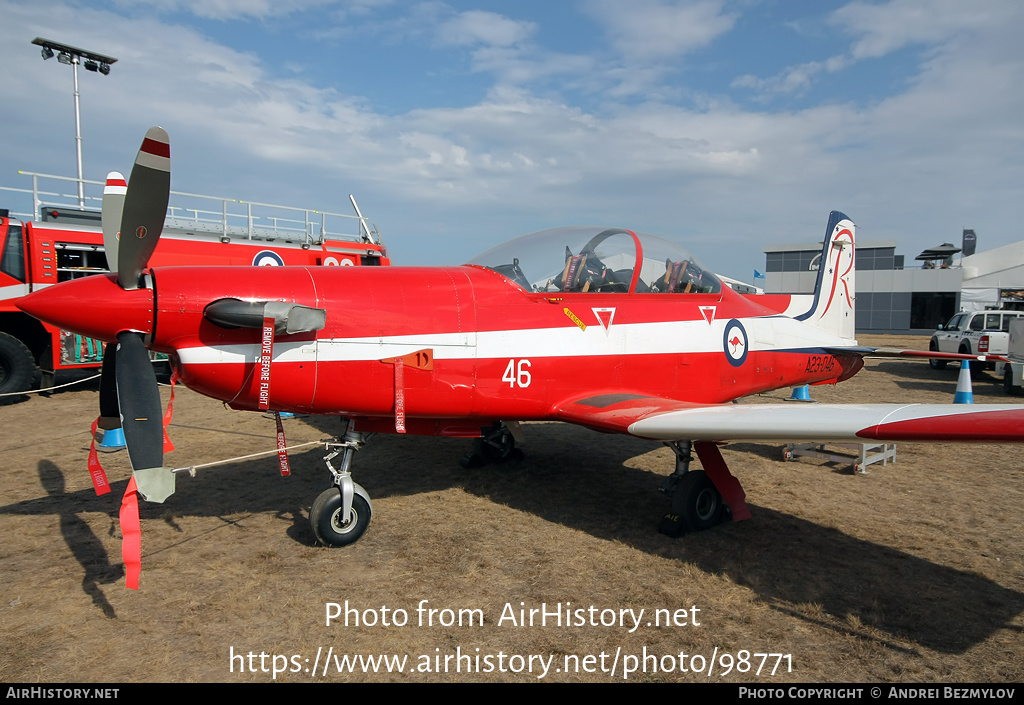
[(99, 478), (131, 535), (282, 454)]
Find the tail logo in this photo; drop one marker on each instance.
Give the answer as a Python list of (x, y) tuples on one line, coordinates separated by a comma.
[(735, 343), (834, 267)]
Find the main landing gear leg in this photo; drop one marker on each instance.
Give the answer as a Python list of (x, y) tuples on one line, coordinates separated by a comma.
[(697, 496), (497, 444), (341, 514)]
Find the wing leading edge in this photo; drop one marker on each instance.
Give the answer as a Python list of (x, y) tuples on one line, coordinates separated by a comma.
[(662, 419)]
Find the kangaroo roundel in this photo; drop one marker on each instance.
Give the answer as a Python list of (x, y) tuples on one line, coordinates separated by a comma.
[(735, 342)]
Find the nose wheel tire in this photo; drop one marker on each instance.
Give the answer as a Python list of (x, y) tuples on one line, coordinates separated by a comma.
[(329, 527)]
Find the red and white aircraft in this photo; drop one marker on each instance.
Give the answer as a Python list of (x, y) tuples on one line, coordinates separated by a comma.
[(607, 328)]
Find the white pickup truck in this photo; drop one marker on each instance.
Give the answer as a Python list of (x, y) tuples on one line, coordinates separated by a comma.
[(1012, 372), (974, 333)]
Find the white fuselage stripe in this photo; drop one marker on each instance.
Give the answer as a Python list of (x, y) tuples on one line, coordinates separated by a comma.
[(658, 338)]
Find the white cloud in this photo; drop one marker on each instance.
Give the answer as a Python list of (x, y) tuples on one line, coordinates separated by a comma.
[(518, 66), (882, 29), (794, 80), (479, 27), (658, 29), (249, 9)]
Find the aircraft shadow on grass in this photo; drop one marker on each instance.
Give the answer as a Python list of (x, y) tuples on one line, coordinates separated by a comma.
[(920, 377), (567, 478)]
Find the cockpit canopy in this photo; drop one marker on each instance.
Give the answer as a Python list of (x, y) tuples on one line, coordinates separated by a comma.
[(595, 259)]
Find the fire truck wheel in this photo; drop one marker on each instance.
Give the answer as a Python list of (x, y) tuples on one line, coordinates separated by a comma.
[(329, 527), (17, 367), (700, 501)]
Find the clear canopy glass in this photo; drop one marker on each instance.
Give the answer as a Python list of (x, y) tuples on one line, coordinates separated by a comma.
[(596, 259)]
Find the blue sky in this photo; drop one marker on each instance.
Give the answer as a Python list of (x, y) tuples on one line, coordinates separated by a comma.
[(726, 125)]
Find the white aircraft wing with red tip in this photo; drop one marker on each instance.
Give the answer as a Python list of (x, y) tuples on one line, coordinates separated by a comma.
[(668, 420)]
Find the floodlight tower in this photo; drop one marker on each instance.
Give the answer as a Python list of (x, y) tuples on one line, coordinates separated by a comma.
[(93, 62)]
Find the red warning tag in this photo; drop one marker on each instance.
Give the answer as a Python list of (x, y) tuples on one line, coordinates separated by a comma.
[(282, 454), (169, 414), (131, 535), (419, 360), (399, 395), (263, 364), (99, 478)]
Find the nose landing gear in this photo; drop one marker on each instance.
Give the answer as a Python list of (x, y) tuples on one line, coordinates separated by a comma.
[(341, 514)]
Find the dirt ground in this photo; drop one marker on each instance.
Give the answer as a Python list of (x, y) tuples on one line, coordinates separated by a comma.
[(912, 572)]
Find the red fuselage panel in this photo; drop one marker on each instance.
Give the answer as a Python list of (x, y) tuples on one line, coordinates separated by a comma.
[(497, 351)]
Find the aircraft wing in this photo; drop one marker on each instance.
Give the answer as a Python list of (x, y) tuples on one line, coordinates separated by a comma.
[(663, 419)]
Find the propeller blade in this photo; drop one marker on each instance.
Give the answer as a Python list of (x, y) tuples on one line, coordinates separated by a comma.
[(139, 399), (113, 206), (145, 207), (110, 414)]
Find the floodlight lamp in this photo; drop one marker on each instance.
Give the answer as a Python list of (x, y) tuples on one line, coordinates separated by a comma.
[(91, 65), (105, 68), (47, 53), (64, 58)]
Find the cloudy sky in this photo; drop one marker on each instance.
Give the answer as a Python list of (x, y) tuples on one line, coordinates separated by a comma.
[(727, 125)]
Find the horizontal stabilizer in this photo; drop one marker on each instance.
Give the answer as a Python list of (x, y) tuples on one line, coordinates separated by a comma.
[(913, 354)]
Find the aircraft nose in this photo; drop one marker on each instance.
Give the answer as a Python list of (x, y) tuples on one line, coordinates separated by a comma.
[(94, 306)]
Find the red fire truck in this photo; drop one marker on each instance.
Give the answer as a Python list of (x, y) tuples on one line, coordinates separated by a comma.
[(58, 242)]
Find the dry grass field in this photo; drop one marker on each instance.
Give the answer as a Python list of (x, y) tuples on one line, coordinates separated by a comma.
[(910, 573)]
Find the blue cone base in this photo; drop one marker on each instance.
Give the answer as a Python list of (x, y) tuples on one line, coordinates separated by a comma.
[(801, 394), (113, 438)]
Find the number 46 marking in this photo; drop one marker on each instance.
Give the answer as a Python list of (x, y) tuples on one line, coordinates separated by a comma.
[(517, 375)]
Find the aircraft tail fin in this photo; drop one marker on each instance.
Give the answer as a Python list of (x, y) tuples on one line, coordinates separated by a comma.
[(832, 307)]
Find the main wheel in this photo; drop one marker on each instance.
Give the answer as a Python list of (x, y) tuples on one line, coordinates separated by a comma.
[(699, 500), (497, 450), (329, 527), (17, 367), (934, 363), (1009, 387)]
